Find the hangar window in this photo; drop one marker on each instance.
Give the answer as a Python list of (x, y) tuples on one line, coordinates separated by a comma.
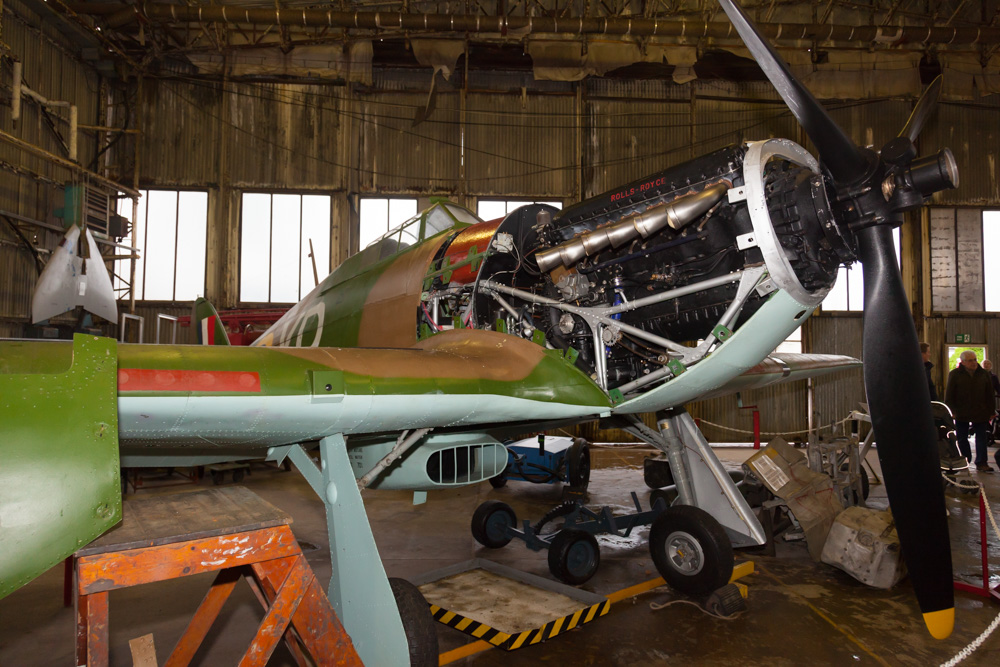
[(377, 215), (171, 232), (991, 267), (276, 234), (957, 259), (848, 293), (491, 209)]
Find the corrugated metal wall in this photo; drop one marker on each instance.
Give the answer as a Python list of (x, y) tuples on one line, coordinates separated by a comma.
[(524, 144), (396, 156), (972, 133), (30, 186), (275, 135)]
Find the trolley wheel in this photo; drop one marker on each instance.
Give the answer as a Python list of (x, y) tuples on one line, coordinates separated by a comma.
[(418, 623), (499, 481), (691, 550), (574, 556), (237, 476), (490, 523), (865, 484), (218, 477), (578, 463), (668, 496)]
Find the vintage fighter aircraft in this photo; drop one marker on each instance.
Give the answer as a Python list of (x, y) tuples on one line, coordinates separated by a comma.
[(410, 361)]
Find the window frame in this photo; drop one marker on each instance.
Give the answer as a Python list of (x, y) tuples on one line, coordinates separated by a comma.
[(982, 256), (856, 266), (520, 201), (270, 241), (126, 286), (389, 227)]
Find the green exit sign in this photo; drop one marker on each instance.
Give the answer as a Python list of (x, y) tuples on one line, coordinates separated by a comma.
[(963, 338)]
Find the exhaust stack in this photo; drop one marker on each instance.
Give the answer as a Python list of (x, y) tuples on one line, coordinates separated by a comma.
[(678, 213)]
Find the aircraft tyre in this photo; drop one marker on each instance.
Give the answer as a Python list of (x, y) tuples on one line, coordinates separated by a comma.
[(668, 496), (574, 556), (691, 550), (418, 624), (656, 472), (499, 481), (490, 523), (578, 463)]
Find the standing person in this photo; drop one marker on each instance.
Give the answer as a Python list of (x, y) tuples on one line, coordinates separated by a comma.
[(925, 351), (970, 396), (988, 367)]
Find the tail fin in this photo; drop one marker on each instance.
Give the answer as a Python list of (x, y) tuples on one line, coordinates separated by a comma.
[(207, 323)]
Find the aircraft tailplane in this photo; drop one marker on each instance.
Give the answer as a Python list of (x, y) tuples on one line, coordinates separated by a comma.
[(206, 321)]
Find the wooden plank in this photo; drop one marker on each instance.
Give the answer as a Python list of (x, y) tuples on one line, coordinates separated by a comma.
[(156, 520), (322, 632), (279, 615), (106, 572), (264, 582), (92, 630), (315, 623), (143, 651), (203, 618)]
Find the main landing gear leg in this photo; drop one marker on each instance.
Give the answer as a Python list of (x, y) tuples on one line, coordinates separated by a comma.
[(359, 590), (699, 477)]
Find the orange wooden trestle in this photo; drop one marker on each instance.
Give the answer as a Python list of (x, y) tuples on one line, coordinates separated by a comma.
[(296, 607)]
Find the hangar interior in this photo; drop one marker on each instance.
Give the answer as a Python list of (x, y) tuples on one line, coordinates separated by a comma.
[(242, 150)]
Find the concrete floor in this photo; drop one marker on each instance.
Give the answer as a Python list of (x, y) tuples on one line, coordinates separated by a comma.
[(800, 612)]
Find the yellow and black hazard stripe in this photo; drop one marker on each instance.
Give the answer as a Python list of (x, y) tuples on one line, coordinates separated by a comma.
[(510, 642), (468, 626)]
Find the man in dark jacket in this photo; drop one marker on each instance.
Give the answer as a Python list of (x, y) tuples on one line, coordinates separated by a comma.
[(925, 351), (970, 396)]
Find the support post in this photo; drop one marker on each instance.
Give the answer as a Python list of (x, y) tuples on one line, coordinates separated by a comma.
[(359, 589)]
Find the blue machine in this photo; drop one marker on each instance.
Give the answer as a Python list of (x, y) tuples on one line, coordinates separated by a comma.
[(547, 459)]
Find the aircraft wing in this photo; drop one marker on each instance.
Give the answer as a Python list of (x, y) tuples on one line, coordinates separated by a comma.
[(789, 367)]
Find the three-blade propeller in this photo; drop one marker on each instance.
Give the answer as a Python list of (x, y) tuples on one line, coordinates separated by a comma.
[(882, 186)]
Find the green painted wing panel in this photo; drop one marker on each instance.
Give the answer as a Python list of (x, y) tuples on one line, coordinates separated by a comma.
[(59, 475)]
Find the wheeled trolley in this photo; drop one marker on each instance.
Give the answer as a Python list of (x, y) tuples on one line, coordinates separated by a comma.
[(689, 548)]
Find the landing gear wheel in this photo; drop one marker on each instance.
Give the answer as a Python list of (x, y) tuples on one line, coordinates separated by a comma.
[(578, 463), (691, 550), (490, 522), (237, 476), (499, 481), (418, 624), (668, 496), (218, 477), (656, 472), (574, 556)]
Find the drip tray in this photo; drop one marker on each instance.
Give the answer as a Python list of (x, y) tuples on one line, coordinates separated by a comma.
[(504, 606)]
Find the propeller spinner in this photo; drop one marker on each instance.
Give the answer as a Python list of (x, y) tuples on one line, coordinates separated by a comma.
[(878, 188)]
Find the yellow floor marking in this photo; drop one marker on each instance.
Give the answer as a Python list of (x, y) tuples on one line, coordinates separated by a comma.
[(463, 652), (740, 570), (826, 618)]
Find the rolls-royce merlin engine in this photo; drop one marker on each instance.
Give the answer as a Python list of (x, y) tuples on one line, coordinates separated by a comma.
[(640, 282)]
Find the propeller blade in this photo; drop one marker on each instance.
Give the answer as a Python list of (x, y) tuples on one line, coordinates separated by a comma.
[(900, 408), (845, 160), (925, 108)]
